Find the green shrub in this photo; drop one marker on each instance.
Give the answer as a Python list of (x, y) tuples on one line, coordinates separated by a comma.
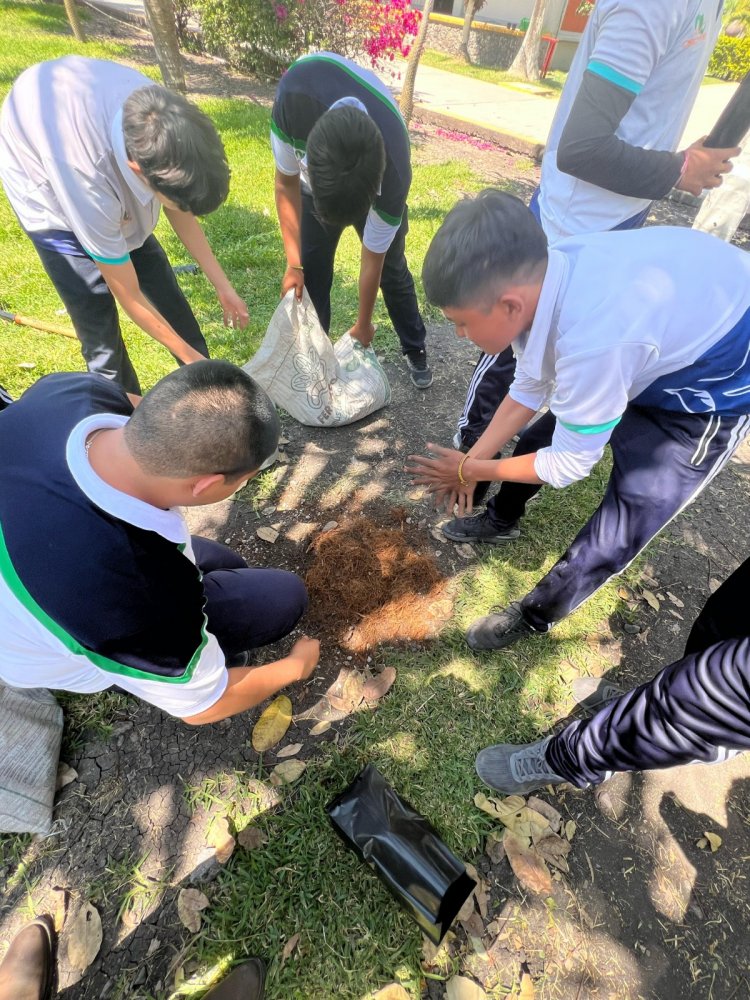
[(730, 59)]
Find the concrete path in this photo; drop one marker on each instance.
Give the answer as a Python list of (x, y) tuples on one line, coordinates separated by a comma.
[(510, 111)]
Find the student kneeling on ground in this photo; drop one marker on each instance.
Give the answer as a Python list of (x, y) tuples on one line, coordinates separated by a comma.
[(696, 710), (101, 583), (640, 339), (89, 152)]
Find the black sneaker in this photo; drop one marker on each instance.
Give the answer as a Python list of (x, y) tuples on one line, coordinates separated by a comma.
[(496, 631), (480, 529), (593, 693), (516, 770), (419, 371)]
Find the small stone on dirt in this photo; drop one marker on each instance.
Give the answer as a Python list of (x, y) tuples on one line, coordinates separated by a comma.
[(267, 534)]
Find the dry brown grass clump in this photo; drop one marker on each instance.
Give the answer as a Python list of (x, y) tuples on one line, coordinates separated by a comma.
[(368, 585)]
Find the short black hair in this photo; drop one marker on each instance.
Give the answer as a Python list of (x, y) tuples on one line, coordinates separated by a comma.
[(177, 148), (204, 418), (345, 163), (483, 243)]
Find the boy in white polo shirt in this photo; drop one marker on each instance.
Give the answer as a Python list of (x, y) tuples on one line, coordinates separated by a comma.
[(640, 339), (611, 152), (89, 152)]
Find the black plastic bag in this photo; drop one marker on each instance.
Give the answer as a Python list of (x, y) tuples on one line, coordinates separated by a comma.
[(425, 877)]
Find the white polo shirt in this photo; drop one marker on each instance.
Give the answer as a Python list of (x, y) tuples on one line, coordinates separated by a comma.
[(658, 316), (63, 162), (657, 50)]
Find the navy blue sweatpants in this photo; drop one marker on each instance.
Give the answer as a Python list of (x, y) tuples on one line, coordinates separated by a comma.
[(246, 608), (697, 709), (661, 462)]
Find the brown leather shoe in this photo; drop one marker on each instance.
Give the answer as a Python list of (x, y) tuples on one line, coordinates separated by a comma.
[(244, 982), (28, 970)]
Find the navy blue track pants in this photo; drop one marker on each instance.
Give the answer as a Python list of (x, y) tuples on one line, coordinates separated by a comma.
[(697, 709)]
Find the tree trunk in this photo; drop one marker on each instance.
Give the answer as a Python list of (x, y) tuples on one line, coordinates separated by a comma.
[(74, 21), (410, 76), (161, 21), (470, 10), (526, 63)]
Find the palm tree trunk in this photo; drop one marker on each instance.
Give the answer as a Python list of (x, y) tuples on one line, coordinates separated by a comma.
[(407, 91), (161, 21), (70, 9), (469, 11), (526, 63)]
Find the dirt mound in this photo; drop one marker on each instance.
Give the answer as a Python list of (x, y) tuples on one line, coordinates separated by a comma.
[(369, 585)]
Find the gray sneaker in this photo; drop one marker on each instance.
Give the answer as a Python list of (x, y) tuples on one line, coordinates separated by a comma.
[(500, 629), (516, 769), (593, 693), (480, 529), (419, 370)]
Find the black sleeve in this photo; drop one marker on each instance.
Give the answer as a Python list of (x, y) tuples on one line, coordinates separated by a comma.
[(590, 150)]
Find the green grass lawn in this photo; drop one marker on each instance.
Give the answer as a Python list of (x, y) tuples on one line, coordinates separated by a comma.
[(446, 704)]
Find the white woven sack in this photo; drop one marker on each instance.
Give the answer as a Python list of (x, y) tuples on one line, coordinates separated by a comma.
[(31, 725), (318, 384)]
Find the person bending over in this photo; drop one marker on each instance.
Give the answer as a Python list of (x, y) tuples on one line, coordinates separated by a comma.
[(89, 152), (639, 339), (343, 158), (101, 583)]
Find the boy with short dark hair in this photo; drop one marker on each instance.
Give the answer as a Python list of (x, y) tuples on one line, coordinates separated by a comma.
[(101, 583), (640, 339), (89, 152), (343, 158)]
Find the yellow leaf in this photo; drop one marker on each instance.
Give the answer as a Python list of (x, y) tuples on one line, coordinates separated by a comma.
[(287, 771), (222, 840), (701, 843), (319, 728), (650, 598), (714, 840), (393, 991), (271, 727), (570, 829), (526, 991)]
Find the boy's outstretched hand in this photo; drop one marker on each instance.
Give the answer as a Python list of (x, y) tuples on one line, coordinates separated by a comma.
[(306, 653), (438, 471)]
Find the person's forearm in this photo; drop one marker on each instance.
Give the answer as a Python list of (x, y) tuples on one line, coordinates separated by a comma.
[(248, 687), (142, 313), (289, 210), (194, 240), (510, 417), (519, 469), (370, 271)]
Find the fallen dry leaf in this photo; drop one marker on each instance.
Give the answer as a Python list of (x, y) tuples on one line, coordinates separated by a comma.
[(651, 599), (267, 534), (465, 550), (65, 774), (479, 892), (251, 838), (513, 813), (549, 812), (290, 750), (347, 691), (528, 865), (267, 511), (221, 839), (393, 991), (319, 728), (190, 902), (555, 851), (62, 902), (378, 686), (494, 847), (713, 840), (289, 947), (526, 989), (466, 910), (84, 937), (461, 988), (329, 526), (271, 727), (570, 829), (675, 600), (287, 771)]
